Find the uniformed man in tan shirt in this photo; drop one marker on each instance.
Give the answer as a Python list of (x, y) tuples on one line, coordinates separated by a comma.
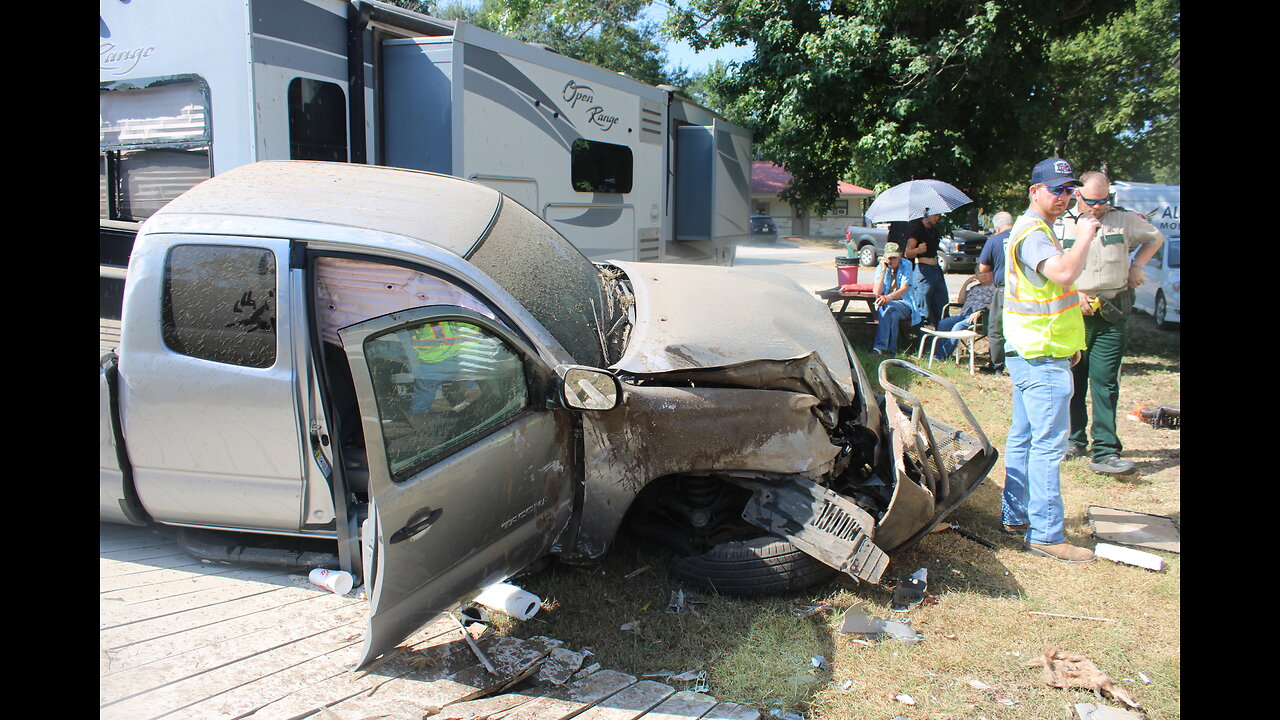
[(1106, 298)]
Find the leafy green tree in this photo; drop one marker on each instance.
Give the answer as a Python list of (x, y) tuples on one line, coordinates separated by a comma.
[(608, 33), (882, 91)]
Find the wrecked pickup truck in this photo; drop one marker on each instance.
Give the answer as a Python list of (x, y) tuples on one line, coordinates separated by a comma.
[(422, 371)]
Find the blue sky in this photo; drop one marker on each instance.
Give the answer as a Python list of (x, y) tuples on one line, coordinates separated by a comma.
[(679, 53)]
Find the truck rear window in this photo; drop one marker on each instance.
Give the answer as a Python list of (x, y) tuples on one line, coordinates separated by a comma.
[(219, 304)]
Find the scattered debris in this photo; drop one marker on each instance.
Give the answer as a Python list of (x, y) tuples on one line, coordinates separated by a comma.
[(979, 685), (1163, 416), (634, 573), (970, 536), (700, 684), (804, 610), (846, 685), (905, 699), (818, 661), (1063, 670), (1069, 617), (676, 604), (1089, 711), (466, 635), (1007, 701), (784, 715), (1126, 527), (629, 625), (686, 676), (559, 666), (1129, 556), (1144, 677), (857, 622), (910, 592)]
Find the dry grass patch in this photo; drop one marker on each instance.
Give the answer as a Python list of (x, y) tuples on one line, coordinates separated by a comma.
[(975, 623)]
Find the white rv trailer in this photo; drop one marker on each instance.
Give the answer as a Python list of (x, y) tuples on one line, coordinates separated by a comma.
[(624, 170)]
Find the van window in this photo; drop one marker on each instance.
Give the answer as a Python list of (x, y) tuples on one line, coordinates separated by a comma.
[(219, 304), (154, 143), (601, 167), (317, 121)]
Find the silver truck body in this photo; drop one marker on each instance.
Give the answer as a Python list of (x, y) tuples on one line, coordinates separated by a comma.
[(582, 392)]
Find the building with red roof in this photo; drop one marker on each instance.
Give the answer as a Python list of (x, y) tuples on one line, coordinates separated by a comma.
[(768, 180)]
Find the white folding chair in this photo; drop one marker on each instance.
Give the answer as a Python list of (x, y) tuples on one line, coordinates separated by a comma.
[(965, 338)]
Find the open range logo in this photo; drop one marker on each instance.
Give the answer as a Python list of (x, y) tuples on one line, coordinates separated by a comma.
[(596, 114), (119, 61)]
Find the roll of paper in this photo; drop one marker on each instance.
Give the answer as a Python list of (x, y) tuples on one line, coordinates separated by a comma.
[(511, 600)]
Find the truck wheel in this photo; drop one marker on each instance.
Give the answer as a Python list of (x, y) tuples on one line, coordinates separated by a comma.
[(867, 255), (943, 264), (761, 566)]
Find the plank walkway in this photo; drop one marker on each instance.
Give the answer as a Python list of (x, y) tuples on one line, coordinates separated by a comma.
[(183, 639)]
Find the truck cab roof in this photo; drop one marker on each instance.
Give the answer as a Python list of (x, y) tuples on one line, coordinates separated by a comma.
[(339, 202)]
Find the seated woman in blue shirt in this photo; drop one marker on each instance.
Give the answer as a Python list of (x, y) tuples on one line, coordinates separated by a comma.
[(977, 294)]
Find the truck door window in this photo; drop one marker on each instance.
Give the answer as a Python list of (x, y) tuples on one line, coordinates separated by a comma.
[(219, 304), (440, 386), (317, 121), (154, 142)]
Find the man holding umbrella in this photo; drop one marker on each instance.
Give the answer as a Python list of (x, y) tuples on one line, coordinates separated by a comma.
[(1044, 334), (921, 202)]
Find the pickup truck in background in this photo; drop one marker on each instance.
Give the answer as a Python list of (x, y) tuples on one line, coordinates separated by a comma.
[(427, 382), (957, 250)]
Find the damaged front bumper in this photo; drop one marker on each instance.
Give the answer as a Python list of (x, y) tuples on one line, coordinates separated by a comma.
[(933, 467)]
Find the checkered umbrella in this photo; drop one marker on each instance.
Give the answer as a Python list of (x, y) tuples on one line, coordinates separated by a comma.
[(914, 199)]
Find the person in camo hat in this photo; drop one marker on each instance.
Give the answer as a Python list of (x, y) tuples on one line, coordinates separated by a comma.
[(894, 288)]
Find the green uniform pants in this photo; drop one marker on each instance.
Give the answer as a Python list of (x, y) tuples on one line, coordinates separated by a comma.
[(1099, 372)]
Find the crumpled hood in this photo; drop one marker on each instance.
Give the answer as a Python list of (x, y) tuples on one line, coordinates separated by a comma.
[(756, 327)]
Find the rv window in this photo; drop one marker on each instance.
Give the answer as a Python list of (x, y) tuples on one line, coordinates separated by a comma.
[(153, 143), (317, 121), (601, 167), (219, 304)]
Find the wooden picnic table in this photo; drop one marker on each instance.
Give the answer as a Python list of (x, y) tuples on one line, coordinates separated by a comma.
[(835, 296)]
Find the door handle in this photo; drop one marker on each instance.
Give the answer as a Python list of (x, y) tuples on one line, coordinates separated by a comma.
[(419, 524)]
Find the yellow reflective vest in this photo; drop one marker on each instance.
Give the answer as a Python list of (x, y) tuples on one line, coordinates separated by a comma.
[(434, 342), (1039, 321)]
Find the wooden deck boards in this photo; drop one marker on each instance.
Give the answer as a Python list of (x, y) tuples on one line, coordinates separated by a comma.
[(183, 639)]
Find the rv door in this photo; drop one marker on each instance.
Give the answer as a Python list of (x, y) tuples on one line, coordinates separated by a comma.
[(470, 474)]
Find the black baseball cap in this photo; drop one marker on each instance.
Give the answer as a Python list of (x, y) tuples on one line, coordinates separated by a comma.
[(1054, 171)]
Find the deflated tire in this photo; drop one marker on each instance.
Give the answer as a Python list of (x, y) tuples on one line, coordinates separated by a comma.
[(760, 566)]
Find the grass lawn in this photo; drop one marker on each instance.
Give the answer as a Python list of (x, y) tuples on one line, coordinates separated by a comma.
[(762, 652)]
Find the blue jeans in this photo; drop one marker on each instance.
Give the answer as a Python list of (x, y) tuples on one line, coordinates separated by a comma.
[(946, 345), (933, 286), (887, 330), (1042, 389)]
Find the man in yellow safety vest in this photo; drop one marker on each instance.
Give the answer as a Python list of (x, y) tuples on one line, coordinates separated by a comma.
[(1044, 334)]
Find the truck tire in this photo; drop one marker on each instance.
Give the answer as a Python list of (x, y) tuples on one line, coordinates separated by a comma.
[(761, 566), (867, 255)]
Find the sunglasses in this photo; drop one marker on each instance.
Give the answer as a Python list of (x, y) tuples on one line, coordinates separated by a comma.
[(1087, 201), (1060, 189)]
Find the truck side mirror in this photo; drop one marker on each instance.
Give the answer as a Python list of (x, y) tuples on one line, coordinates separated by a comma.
[(585, 388)]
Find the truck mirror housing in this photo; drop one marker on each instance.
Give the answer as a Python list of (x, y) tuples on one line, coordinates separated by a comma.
[(585, 388)]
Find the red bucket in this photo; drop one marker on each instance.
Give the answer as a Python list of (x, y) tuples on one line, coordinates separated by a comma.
[(846, 271)]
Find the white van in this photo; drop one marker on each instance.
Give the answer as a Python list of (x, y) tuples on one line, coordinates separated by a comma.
[(1158, 203)]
